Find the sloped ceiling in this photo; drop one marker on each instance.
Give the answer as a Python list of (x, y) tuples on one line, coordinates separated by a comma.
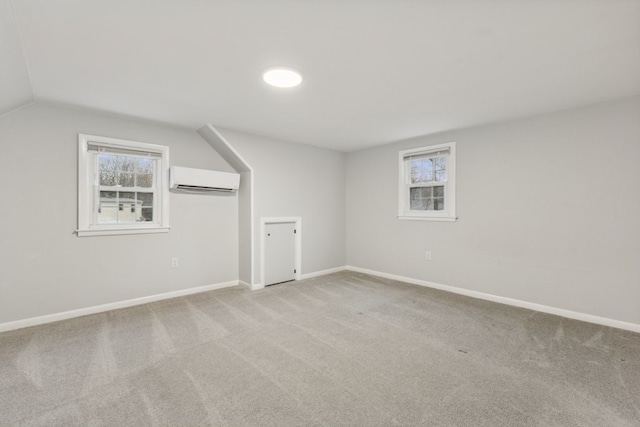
[(15, 88), (375, 70)]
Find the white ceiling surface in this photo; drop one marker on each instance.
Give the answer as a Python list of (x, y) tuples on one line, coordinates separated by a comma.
[(375, 71), (15, 88)]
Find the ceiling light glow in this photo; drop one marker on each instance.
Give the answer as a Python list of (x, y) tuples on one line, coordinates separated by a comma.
[(282, 77)]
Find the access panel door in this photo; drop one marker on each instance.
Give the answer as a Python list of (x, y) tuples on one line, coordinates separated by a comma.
[(279, 253)]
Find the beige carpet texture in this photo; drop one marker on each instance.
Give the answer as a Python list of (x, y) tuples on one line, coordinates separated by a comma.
[(345, 349)]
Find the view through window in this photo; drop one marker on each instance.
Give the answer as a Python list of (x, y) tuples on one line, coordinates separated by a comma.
[(427, 183), (123, 187)]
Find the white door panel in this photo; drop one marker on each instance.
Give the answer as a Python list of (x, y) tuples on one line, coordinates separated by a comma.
[(279, 253)]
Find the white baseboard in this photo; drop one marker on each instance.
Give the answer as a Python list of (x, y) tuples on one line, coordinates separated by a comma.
[(49, 318), (257, 286), (34, 321), (634, 327), (322, 272), (251, 287)]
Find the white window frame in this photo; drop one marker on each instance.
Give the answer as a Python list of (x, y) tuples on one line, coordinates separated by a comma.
[(404, 184), (88, 187)]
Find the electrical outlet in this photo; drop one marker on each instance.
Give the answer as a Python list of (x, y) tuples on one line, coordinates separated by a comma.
[(428, 255), (174, 262)]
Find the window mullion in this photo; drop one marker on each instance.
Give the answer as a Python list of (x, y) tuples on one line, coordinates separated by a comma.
[(428, 184), (157, 214), (95, 188)]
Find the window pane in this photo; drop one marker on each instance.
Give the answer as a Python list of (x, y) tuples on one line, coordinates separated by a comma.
[(418, 205), (419, 193), (415, 198), (420, 199), (107, 167), (108, 195), (126, 163), (441, 163), (144, 165), (107, 162), (147, 214), (428, 205), (441, 176), (426, 198), (108, 177), (438, 204), (108, 214), (421, 170), (128, 204), (124, 207), (422, 192), (108, 207), (126, 179), (146, 206), (126, 196), (145, 180), (146, 199)]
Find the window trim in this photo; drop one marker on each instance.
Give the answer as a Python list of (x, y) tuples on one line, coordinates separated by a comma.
[(449, 214), (86, 184)]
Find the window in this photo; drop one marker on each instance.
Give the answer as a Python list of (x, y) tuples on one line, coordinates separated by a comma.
[(427, 183), (122, 187)]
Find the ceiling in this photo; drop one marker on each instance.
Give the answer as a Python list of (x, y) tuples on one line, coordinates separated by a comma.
[(375, 70)]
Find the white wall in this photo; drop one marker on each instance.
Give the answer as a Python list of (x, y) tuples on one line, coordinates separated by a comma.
[(245, 194), (548, 210), (15, 87), (245, 198), (298, 180), (46, 269)]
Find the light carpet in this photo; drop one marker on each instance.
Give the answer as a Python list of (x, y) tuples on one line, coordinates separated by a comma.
[(341, 349)]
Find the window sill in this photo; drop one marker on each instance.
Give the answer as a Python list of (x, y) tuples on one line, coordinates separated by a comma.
[(121, 231), (427, 218)]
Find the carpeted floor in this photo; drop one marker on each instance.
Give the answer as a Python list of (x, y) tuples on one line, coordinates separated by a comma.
[(341, 349)]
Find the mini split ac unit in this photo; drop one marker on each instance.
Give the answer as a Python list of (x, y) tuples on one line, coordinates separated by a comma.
[(189, 180)]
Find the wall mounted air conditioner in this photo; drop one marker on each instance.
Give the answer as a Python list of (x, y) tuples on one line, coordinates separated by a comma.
[(189, 180)]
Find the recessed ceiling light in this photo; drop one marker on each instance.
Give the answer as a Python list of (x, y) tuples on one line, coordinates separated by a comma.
[(282, 77)]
